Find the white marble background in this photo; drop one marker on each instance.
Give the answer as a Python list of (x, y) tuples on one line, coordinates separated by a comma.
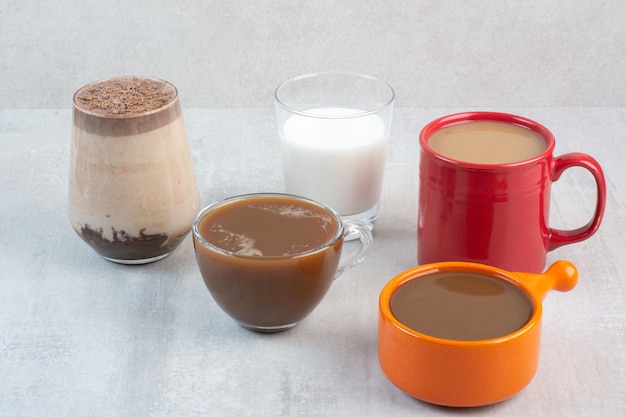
[(232, 53)]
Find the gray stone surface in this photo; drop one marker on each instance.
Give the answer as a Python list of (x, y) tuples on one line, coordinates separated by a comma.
[(80, 336)]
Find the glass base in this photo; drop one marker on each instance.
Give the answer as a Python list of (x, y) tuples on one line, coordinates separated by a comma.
[(271, 329), (136, 261), (368, 217)]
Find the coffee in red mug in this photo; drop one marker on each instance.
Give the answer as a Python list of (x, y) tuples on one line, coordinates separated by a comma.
[(484, 194)]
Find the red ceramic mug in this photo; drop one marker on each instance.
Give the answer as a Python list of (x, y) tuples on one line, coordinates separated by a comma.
[(495, 213)]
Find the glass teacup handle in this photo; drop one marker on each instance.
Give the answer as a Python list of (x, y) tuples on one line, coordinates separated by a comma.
[(356, 234)]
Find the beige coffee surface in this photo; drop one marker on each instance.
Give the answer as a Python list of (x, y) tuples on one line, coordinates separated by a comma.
[(487, 142)]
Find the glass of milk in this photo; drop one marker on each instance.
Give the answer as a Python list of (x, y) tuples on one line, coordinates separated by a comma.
[(334, 129)]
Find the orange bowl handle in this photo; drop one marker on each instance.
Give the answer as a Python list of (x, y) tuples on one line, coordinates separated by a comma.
[(560, 276)]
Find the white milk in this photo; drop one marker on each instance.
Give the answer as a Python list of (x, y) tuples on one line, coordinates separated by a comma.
[(339, 162)]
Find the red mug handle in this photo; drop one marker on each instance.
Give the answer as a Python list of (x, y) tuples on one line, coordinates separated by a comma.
[(558, 237)]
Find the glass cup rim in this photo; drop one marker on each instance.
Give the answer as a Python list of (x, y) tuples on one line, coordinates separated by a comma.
[(103, 81), (253, 196), (485, 116), (386, 85)]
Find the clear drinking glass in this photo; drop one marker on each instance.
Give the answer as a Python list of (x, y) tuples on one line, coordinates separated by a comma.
[(132, 187), (334, 129)]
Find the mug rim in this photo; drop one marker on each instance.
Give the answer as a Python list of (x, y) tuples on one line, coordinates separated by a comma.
[(475, 116), (389, 102), (255, 196), (422, 271)]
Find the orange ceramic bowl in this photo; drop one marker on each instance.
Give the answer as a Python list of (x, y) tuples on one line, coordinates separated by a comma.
[(466, 373)]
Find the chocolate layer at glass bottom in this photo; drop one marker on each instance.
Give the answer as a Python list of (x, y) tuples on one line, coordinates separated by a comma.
[(125, 248)]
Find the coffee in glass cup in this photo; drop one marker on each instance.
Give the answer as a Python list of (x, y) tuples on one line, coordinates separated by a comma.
[(269, 259)]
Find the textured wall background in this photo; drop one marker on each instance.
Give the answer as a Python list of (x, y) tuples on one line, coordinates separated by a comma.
[(231, 53)]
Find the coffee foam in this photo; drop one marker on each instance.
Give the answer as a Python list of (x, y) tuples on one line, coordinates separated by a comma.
[(231, 239), (242, 244), (294, 212)]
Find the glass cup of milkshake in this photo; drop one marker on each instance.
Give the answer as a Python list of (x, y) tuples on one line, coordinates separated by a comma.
[(132, 188), (334, 129)]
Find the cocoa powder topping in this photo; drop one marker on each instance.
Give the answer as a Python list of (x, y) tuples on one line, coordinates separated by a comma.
[(125, 96)]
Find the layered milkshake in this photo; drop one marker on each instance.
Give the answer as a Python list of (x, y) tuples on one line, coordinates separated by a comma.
[(132, 188)]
